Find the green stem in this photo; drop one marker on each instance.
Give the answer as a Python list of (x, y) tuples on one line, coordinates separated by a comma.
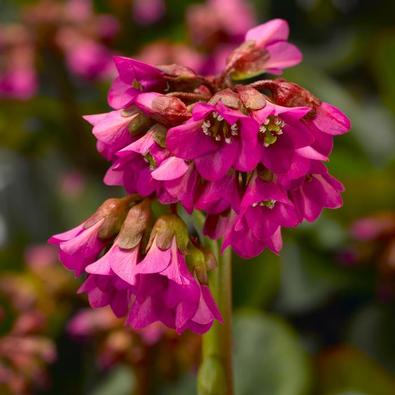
[(216, 374)]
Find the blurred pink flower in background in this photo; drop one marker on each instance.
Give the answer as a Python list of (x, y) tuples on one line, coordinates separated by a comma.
[(18, 78), (72, 184), (40, 255), (165, 52), (146, 12)]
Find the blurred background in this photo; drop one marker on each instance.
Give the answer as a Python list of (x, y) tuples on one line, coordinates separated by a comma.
[(319, 319)]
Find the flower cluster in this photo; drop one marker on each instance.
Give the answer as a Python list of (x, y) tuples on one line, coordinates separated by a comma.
[(144, 273), (250, 156)]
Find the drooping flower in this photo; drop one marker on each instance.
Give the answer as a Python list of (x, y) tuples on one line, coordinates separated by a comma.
[(316, 191), (166, 289), (114, 130), (133, 78), (264, 209), (81, 245)]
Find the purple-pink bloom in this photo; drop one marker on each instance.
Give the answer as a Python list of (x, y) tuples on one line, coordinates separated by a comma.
[(218, 196), (107, 291), (281, 134), (271, 37), (133, 78), (79, 246), (111, 131), (18, 78), (216, 138), (147, 12), (135, 164), (316, 191), (166, 291), (264, 209)]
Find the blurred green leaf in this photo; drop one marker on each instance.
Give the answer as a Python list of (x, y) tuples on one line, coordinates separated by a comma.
[(372, 331), (268, 358), (256, 281), (348, 369), (309, 277), (119, 381)]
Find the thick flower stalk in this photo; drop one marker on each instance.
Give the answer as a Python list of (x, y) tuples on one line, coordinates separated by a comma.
[(250, 157)]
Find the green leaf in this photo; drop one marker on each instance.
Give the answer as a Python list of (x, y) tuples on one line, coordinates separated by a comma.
[(257, 280), (119, 381), (347, 369), (268, 358)]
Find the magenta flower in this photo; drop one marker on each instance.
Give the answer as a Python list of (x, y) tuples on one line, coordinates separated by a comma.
[(265, 208), (216, 138), (111, 130), (133, 78), (218, 196), (329, 119), (179, 182), (281, 134), (86, 57), (147, 12), (107, 291), (316, 191), (167, 292), (271, 37), (135, 164), (79, 246)]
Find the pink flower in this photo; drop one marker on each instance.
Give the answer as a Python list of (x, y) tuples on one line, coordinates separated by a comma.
[(133, 78), (107, 291), (18, 78), (281, 134), (111, 131), (135, 164), (271, 37), (221, 195), (216, 138), (167, 291), (164, 52), (147, 12), (79, 246), (90, 322), (85, 57), (264, 209), (316, 191)]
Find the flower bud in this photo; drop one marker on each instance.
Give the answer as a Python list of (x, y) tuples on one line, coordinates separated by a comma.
[(165, 229), (227, 97), (139, 122), (247, 61), (251, 98), (113, 211), (169, 110), (289, 94), (135, 224), (196, 261)]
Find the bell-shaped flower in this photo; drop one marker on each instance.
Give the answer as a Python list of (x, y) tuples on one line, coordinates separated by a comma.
[(81, 245), (134, 77)]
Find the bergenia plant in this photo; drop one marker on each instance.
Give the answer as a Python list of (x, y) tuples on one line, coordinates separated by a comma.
[(210, 165)]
